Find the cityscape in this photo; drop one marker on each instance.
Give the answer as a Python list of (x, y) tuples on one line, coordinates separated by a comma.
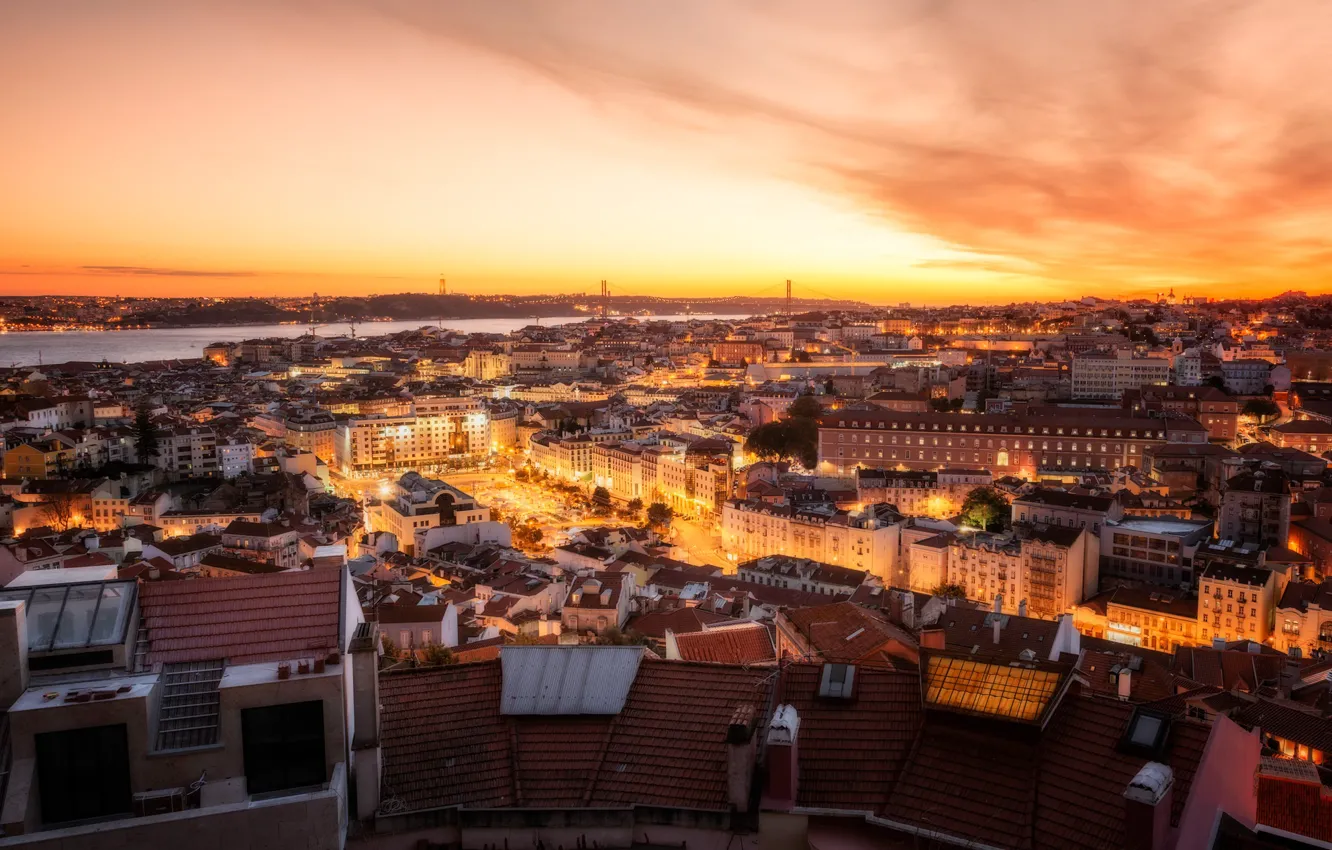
[(846, 426)]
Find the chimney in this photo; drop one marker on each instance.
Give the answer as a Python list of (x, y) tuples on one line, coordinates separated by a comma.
[(998, 603), (931, 638), (741, 749), (1218, 642), (364, 650), (1147, 801), (998, 626), (1125, 683), (783, 758), (13, 652), (1022, 608), (1066, 640), (909, 609)]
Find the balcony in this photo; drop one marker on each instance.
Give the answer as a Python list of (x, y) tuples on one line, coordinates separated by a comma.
[(308, 817)]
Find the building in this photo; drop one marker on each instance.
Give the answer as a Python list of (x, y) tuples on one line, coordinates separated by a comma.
[(915, 493), (1036, 570), (865, 540), (802, 574), (437, 432), (1238, 602), (1246, 376), (1145, 617), (738, 352), (152, 721), (1097, 374), (1155, 550), (1005, 444), (276, 542), (1216, 411), (597, 603), (411, 507), (49, 458), (1255, 507), (1308, 435), (187, 452), (1304, 618), (1061, 508)]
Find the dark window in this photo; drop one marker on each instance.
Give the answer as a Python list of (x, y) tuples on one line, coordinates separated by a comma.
[(284, 746), (83, 773)]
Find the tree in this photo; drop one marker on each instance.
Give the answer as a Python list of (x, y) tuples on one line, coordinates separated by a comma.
[(794, 438), (806, 406), (437, 655), (942, 405), (1216, 381), (950, 591), (612, 636), (1261, 409), (145, 435), (986, 508), (59, 511), (829, 387), (659, 516), (633, 509), (601, 496), (527, 535)]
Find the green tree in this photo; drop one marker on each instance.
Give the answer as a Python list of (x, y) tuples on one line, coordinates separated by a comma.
[(437, 655), (659, 516), (1216, 381), (145, 435), (806, 406), (953, 591), (527, 535), (634, 508), (1261, 409), (986, 508), (601, 496), (612, 636), (796, 438)]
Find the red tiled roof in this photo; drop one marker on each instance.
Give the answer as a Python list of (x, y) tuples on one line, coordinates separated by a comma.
[(679, 620), (462, 751), (852, 751), (1301, 807), (1228, 668), (244, 620), (844, 631), (750, 643)]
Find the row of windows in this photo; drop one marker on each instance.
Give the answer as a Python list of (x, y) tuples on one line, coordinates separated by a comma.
[(1003, 429)]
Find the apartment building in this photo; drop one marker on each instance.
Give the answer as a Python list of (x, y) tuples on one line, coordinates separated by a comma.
[(1155, 550), (1097, 374), (304, 428), (1147, 617), (569, 459), (137, 718), (1308, 435), (917, 493), (1216, 411), (48, 458), (187, 452), (864, 540), (415, 504), (1061, 508), (693, 477), (1023, 444), (435, 432), (1038, 570), (619, 468), (1255, 506), (802, 574), (1238, 601)]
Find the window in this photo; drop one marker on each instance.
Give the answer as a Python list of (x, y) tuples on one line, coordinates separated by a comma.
[(83, 773), (283, 746)]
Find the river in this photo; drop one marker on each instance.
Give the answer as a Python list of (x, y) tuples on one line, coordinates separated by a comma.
[(29, 348)]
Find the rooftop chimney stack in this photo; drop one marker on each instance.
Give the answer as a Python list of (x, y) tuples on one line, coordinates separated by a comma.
[(1147, 802), (364, 651), (998, 603), (932, 638), (1022, 608), (13, 652), (783, 758), (1125, 683), (741, 749)]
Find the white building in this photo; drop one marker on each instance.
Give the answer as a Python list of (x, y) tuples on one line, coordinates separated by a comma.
[(865, 540), (1097, 374)]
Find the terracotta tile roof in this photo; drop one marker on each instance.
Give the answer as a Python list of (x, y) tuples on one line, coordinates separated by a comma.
[(852, 751), (679, 620), (844, 631), (244, 620), (1227, 668), (1291, 798), (462, 751), (664, 753), (438, 751), (747, 643), (1291, 721)]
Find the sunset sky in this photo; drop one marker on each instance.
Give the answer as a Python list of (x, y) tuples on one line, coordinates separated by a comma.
[(888, 150)]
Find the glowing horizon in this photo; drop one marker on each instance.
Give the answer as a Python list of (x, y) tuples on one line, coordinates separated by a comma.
[(964, 152)]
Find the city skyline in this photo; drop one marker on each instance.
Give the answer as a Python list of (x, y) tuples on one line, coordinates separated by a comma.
[(923, 152)]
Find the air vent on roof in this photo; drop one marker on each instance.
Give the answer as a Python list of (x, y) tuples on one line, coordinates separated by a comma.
[(837, 681)]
